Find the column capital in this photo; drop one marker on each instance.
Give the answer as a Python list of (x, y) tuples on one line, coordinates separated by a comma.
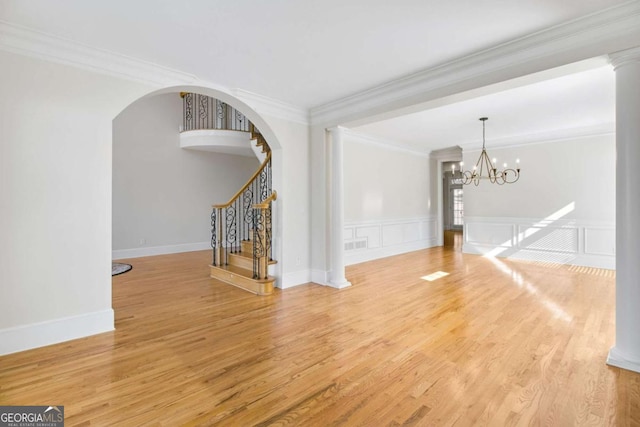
[(624, 57), (333, 129)]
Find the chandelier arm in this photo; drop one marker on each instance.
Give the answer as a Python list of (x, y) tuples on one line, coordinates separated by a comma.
[(516, 174), (487, 163), (467, 177)]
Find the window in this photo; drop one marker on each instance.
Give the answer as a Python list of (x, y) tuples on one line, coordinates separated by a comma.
[(458, 208)]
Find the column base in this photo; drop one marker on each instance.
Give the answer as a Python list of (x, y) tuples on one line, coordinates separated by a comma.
[(339, 284), (618, 360)]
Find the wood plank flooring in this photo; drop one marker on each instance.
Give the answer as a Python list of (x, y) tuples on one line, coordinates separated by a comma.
[(492, 343)]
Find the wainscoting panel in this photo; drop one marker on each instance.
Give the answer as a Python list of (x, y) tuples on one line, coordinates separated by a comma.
[(561, 241), (411, 232), (371, 233), (489, 234), (349, 233), (368, 240), (547, 238), (600, 241), (392, 234)]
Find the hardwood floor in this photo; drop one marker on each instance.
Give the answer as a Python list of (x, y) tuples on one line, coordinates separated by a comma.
[(493, 343), (453, 240)]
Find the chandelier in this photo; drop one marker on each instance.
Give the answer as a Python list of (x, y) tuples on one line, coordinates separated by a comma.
[(486, 168)]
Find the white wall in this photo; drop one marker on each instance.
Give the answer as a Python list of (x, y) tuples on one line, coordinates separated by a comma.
[(389, 200), (162, 194), (561, 210), (56, 196), (55, 200), (291, 179)]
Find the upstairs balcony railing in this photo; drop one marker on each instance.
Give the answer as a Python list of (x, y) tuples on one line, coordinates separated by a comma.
[(204, 112)]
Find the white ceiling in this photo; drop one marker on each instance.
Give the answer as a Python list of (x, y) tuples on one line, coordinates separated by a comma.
[(574, 104), (311, 52)]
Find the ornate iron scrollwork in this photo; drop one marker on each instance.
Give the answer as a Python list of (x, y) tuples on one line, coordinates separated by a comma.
[(268, 242), (232, 229), (212, 114), (247, 197), (203, 107), (220, 107), (264, 183), (188, 111), (214, 235)]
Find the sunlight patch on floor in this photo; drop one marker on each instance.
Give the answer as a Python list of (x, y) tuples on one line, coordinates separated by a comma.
[(434, 276)]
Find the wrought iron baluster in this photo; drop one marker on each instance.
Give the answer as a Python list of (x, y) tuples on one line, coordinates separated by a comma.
[(203, 111), (227, 122), (188, 111), (255, 244), (248, 211), (231, 227), (220, 237), (214, 236), (211, 117), (238, 213), (268, 241)]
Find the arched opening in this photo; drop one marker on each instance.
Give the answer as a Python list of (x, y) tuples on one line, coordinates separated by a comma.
[(228, 170)]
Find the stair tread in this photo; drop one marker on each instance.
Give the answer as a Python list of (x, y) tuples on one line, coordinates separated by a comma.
[(248, 256), (240, 272)]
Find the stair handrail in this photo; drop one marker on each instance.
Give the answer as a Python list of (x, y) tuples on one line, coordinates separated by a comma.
[(266, 162), (265, 203)]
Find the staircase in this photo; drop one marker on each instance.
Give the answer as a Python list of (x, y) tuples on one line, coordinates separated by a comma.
[(241, 229)]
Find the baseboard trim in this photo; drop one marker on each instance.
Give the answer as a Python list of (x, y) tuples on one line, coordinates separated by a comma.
[(26, 337), (339, 285), (320, 277), (295, 278), (159, 250), (618, 360)]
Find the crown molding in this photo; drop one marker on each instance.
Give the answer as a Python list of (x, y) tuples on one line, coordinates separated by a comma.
[(596, 34), (603, 129), (381, 143), (24, 41), (272, 107), (624, 57), (447, 154)]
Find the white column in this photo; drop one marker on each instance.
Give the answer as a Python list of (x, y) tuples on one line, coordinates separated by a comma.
[(336, 208), (626, 352)]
